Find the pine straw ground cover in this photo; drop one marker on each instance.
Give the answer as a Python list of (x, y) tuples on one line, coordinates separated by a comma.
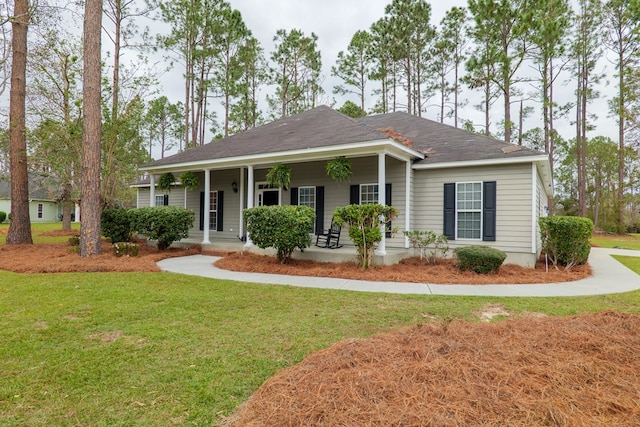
[(411, 270), (529, 371), (56, 257)]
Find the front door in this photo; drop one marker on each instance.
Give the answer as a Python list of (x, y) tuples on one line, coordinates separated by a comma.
[(267, 196)]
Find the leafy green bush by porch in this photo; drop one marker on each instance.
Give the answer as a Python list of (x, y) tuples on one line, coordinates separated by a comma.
[(480, 259), (3, 216), (565, 239), (364, 227), (284, 228), (166, 224), (117, 224)]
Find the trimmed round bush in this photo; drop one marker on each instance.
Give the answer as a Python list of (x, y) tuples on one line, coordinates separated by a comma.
[(3, 216), (565, 239), (480, 259), (165, 224), (284, 228), (117, 224)]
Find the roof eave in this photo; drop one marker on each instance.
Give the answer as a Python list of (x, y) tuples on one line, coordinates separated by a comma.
[(356, 149), (540, 160)]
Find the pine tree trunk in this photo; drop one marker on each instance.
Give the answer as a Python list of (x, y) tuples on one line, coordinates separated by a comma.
[(91, 205), (20, 227)]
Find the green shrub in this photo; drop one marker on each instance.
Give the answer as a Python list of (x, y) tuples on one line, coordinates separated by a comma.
[(284, 228), (423, 240), (74, 240), (480, 259), (565, 239), (3, 216), (117, 224), (125, 248), (364, 227), (166, 224)]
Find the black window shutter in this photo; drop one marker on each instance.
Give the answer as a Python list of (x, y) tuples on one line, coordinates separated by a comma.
[(319, 209), (202, 210), (387, 201), (450, 211), (219, 213), (354, 194), (165, 200), (294, 196), (489, 211)]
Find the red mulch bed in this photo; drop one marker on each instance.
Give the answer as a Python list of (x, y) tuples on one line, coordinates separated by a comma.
[(409, 270)]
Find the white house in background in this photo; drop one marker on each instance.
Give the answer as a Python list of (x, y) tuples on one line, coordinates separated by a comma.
[(471, 188), (43, 199)]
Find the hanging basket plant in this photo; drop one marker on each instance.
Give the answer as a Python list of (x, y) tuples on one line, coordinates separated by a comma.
[(339, 169), (279, 176), (189, 180), (165, 182)]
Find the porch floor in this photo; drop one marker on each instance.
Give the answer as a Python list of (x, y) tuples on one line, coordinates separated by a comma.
[(313, 253)]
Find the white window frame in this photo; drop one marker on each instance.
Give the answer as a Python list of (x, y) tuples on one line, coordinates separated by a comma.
[(159, 200), (308, 199), (375, 191), (469, 209), (40, 210), (213, 210)]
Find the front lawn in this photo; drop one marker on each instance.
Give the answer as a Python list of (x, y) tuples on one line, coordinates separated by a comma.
[(149, 349), (45, 232), (626, 241)]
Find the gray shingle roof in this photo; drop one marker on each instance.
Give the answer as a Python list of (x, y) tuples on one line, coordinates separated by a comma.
[(325, 127), (443, 143), (319, 127), (40, 188)]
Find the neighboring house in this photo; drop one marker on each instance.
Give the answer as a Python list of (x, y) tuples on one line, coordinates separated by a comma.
[(43, 203), (474, 189)]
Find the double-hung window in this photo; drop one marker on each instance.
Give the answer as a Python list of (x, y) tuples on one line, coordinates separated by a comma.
[(470, 210), (307, 197), (368, 194)]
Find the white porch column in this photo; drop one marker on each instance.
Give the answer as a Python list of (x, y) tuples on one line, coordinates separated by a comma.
[(407, 201), (250, 197), (207, 203), (382, 246), (241, 227), (77, 219), (152, 190)]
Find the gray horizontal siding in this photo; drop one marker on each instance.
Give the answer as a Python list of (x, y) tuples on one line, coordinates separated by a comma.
[(513, 201)]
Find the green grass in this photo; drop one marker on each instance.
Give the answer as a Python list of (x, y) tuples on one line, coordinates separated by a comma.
[(188, 350), (37, 230), (627, 241), (631, 262)]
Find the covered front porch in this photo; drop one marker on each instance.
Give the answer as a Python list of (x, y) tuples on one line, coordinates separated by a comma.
[(313, 253)]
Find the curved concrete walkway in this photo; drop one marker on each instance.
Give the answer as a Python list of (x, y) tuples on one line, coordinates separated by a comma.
[(609, 277)]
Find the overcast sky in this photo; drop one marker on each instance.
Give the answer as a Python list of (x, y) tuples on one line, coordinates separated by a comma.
[(335, 22)]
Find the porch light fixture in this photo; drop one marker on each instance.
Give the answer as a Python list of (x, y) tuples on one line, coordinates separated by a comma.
[(234, 186)]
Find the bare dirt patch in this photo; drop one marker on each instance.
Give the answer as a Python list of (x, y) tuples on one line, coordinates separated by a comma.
[(411, 270), (572, 371)]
